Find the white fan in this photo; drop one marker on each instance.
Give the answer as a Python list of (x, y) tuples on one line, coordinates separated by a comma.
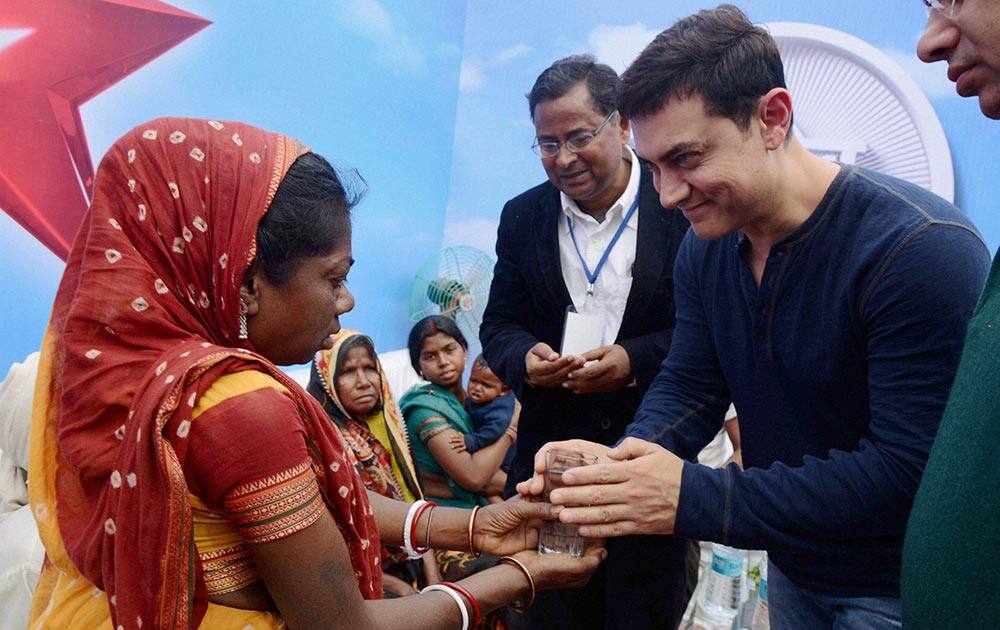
[(455, 282), (856, 105)]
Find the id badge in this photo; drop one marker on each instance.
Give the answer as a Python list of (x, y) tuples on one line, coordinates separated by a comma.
[(582, 332)]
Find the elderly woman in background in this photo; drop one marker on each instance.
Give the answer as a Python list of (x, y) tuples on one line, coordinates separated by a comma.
[(349, 382), (178, 477)]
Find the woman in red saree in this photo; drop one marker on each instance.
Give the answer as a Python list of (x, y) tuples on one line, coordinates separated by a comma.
[(177, 476)]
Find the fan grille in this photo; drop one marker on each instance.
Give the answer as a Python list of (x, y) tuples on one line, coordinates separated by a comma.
[(846, 93), (455, 282)]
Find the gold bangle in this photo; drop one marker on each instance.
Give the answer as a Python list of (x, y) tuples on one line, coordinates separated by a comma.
[(430, 517), (472, 522), (511, 560)]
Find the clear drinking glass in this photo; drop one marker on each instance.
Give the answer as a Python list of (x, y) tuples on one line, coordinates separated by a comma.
[(554, 536)]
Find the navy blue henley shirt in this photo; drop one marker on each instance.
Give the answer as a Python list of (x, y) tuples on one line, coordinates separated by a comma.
[(839, 365)]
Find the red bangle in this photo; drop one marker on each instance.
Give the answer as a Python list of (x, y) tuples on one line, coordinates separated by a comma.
[(477, 614), (413, 526)]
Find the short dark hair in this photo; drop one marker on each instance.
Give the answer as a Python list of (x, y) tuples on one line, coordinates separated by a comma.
[(309, 216), (565, 74), (480, 362), (717, 54), (428, 327)]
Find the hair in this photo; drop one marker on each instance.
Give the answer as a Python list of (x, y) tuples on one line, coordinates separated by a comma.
[(357, 341), (308, 217), (565, 74), (717, 54), (428, 327), (480, 362)]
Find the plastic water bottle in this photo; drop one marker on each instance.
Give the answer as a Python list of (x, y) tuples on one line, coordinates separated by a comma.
[(761, 620), (726, 576)]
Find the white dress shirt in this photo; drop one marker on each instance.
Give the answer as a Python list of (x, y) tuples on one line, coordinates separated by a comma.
[(615, 280)]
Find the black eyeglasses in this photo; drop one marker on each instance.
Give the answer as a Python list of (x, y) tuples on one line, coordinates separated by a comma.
[(575, 143)]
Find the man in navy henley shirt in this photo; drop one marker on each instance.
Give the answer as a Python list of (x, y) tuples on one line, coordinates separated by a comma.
[(827, 301)]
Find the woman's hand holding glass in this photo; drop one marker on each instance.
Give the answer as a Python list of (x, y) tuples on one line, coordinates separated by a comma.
[(506, 528), (551, 571), (511, 528)]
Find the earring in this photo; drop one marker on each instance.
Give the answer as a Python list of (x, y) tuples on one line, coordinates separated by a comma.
[(243, 319)]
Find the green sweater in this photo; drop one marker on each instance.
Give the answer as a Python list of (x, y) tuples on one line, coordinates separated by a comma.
[(951, 557)]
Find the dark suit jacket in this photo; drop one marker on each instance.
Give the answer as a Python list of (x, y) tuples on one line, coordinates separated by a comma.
[(528, 301)]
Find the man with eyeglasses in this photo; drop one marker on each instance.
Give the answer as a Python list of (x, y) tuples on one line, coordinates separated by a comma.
[(950, 576), (592, 239)]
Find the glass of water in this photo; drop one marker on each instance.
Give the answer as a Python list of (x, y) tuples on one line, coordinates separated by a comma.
[(554, 536)]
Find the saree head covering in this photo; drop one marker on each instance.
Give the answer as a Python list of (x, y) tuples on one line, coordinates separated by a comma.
[(378, 441), (145, 319)]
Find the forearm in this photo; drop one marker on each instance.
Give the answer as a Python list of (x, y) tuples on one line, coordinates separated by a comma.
[(496, 485), (448, 528), (680, 416), (684, 405), (486, 435), (492, 588), (863, 494), (486, 460), (472, 471), (646, 353), (483, 464), (389, 516), (505, 345), (733, 431), (505, 333), (312, 578)]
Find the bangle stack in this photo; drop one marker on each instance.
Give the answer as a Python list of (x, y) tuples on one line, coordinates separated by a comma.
[(477, 614), (472, 522), (514, 562), (445, 587), (417, 508)]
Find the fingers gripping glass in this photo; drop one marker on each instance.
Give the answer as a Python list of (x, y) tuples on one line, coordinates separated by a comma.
[(575, 143), (947, 8)]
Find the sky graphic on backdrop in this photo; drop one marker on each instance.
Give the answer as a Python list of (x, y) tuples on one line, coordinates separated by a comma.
[(508, 44), (370, 85), (426, 101)]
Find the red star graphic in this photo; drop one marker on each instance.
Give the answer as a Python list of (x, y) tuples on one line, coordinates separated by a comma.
[(74, 50)]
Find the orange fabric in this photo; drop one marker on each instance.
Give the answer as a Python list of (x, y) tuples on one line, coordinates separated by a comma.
[(145, 319), (225, 437)]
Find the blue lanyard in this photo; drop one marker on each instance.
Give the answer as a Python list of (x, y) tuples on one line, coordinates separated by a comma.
[(592, 275)]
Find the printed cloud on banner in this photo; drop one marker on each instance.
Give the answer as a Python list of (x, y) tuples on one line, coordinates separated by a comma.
[(476, 232), (397, 49), (473, 77), (617, 46)]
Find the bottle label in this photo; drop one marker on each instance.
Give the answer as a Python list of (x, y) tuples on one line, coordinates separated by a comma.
[(729, 567)]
